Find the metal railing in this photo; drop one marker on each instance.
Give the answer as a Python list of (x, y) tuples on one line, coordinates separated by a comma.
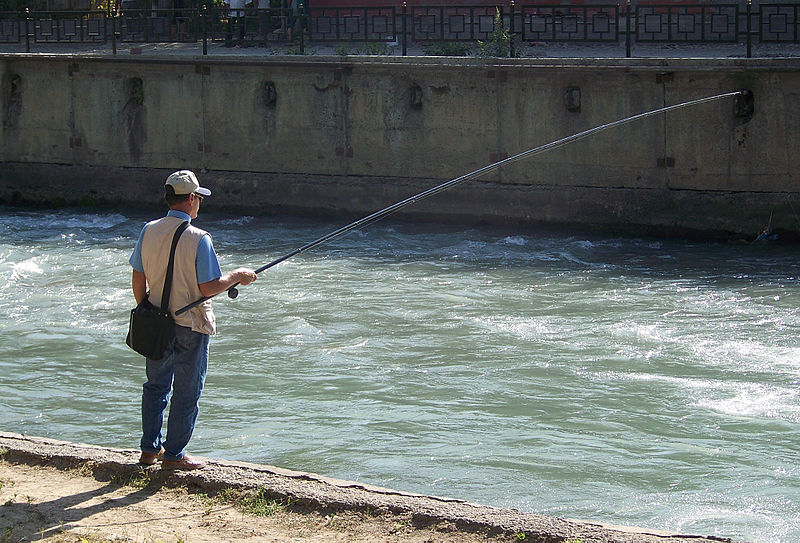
[(598, 23), (688, 24), (520, 25), (452, 24)]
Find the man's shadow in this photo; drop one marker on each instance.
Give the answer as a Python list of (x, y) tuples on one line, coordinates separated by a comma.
[(27, 521)]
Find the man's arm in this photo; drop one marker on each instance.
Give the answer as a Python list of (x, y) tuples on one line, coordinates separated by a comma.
[(243, 276), (210, 278), (139, 285)]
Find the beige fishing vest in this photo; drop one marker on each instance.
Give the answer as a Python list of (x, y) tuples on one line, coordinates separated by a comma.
[(156, 244)]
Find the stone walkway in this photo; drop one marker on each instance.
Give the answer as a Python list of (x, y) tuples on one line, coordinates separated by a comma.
[(534, 50)]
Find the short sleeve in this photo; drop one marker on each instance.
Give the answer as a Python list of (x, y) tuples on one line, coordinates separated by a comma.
[(206, 263), (136, 257)]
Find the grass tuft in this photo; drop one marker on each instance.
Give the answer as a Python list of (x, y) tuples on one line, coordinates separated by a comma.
[(253, 502), (140, 479)]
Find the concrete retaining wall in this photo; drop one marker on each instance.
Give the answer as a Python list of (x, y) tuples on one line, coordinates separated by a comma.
[(351, 135)]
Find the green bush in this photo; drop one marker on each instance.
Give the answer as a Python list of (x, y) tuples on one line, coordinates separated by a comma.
[(499, 43), (375, 48), (448, 49)]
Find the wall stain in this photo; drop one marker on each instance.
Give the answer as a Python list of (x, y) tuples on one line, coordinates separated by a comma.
[(134, 115), (12, 100)]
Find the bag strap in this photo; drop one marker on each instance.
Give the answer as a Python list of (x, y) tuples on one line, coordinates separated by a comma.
[(168, 280)]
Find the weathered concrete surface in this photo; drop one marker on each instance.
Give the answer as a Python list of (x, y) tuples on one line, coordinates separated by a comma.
[(309, 491), (351, 135)]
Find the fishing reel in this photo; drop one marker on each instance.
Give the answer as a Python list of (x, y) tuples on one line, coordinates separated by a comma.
[(233, 292)]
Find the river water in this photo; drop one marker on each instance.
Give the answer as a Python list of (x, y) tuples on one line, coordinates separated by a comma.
[(635, 381)]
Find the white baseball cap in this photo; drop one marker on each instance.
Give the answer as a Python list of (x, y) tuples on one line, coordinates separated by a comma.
[(185, 182)]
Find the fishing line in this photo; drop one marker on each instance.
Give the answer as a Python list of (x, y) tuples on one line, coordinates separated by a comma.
[(380, 214)]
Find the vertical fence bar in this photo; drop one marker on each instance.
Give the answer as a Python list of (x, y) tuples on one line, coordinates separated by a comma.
[(27, 30), (403, 26), (628, 29), (303, 24), (511, 31), (702, 24), (204, 27), (585, 24), (441, 25), (113, 16), (471, 18), (669, 23), (748, 30)]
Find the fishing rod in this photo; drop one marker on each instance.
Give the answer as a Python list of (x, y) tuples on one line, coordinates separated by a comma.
[(233, 292)]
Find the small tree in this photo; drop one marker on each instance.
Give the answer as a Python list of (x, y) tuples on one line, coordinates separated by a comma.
[(499, 43)]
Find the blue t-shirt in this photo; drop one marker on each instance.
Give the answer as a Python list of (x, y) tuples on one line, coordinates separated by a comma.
[(206, 264)]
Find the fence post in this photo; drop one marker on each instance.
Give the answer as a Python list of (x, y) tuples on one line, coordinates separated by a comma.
[(113, 33), (303, 25), (511, 32), (403, 29), (628, 29), (27, 30), (204, 28), (749, 29)]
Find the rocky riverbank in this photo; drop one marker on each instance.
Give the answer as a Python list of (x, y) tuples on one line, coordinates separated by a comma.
[(63, 492)]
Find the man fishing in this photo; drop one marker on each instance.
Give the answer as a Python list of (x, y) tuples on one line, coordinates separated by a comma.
[(196, 274)]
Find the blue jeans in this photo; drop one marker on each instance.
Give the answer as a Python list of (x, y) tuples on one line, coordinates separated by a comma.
[(182, 373)]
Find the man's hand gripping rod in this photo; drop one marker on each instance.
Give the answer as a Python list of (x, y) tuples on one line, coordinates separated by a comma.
[(233, 291)]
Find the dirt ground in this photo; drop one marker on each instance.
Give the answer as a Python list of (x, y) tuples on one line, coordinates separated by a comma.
[(62, 492), (39, 503)]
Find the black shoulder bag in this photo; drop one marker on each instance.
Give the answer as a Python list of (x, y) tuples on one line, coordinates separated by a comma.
[(152, 330)]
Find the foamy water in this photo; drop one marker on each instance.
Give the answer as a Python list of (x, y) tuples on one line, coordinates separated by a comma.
[(643, 382)]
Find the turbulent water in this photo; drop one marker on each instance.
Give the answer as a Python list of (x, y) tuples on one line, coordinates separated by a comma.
[(634, 381)]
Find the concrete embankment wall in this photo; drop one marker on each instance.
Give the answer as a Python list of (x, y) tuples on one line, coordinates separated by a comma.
[(352, 135), (308, 493)]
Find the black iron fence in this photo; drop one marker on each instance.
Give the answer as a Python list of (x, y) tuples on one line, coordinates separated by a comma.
[(402, 26)]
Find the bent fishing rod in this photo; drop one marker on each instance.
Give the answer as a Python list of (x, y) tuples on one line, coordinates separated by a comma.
[(233, 291)]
